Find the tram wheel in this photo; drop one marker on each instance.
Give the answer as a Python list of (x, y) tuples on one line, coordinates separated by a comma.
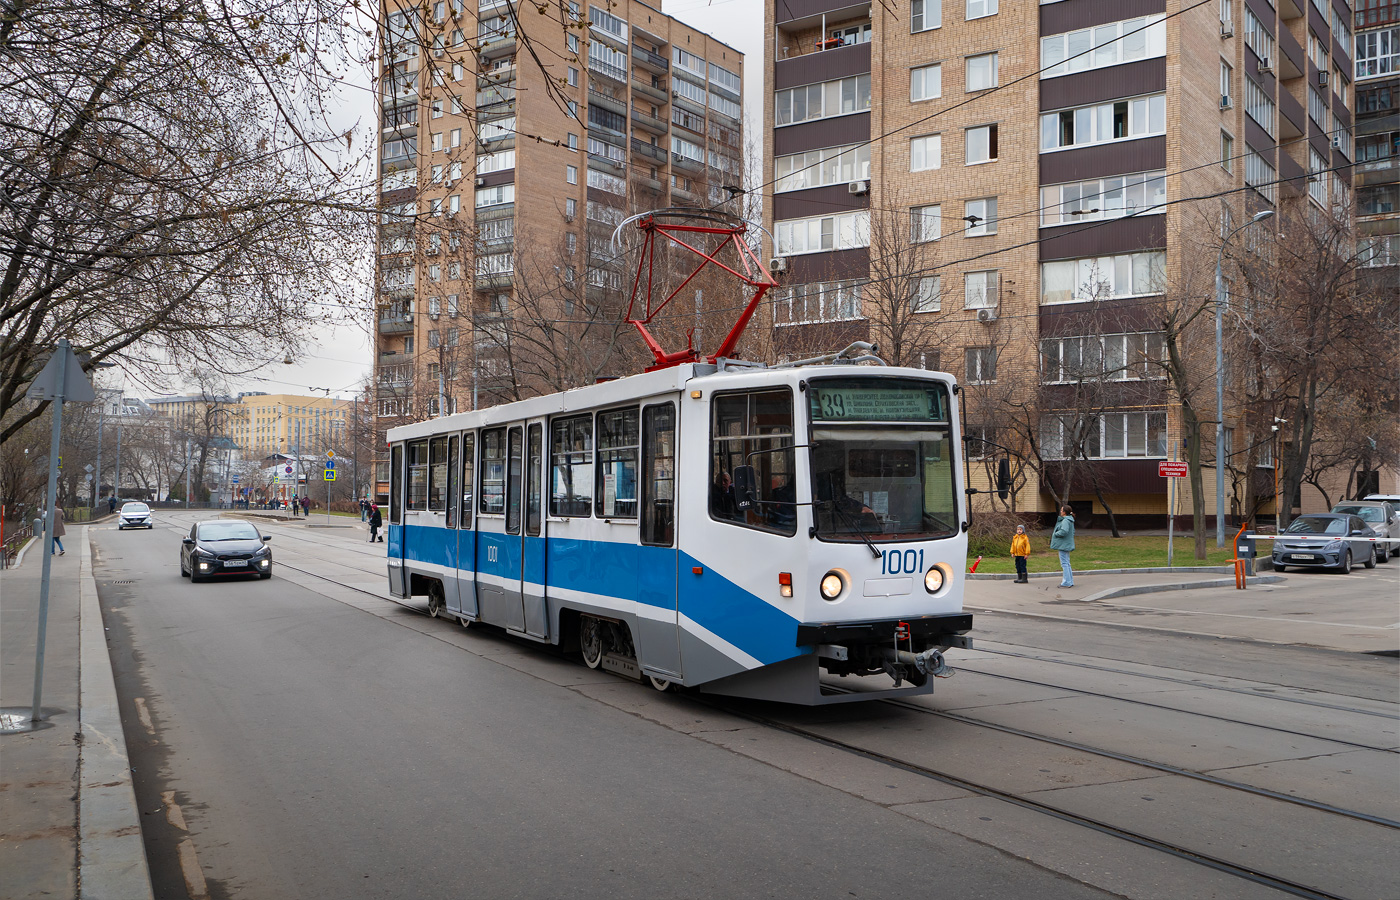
[(590, 641), (661, 684), (435, 599)]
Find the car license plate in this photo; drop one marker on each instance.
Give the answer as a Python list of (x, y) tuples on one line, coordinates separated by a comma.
[(1295, 556), (234, 563)]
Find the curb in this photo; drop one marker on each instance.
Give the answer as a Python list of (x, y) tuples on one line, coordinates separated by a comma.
[(19, 557), (1132, 590), (1078, 573), (111, 854)]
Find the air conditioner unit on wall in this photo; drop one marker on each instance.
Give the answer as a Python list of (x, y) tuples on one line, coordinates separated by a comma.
[(481, 182), (778, 264), (986, 316), (1266, 65), (1224, 101), (1227, 29), (858, 187), (1322, 78)]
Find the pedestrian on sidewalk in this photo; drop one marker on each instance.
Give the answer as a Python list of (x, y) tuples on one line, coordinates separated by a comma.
[(306, 505), (1020, 549), (376, 522), (58, 531), (1062, 539), (364, 509)]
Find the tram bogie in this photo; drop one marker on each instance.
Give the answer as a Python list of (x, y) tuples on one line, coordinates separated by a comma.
[(605, 519)]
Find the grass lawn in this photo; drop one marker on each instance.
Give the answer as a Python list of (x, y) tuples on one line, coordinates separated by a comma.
[(1104, 552)]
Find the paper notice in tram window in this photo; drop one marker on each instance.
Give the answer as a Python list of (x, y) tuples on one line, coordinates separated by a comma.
[(609, 493), (878, 501)]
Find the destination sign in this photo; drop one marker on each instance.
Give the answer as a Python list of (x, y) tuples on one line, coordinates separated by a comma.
[(852, 400)]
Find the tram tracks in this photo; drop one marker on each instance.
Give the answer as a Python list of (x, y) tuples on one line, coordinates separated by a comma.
[(1102, 824)]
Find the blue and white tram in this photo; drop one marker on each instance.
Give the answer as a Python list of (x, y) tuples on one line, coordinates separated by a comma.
[(743, 530)]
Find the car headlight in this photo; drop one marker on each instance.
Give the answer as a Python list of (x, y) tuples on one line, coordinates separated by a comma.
[(1333, 546), (832, 585), (933, 580)]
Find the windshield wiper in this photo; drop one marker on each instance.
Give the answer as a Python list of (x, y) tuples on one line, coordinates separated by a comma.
[(863, 536)]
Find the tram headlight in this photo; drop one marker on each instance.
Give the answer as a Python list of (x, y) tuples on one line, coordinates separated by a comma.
[(832, 585), (933, 580)]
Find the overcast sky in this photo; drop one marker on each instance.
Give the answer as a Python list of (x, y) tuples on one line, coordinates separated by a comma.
[(339, 359)]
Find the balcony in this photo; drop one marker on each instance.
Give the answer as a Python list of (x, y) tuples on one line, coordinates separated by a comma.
[(652, 62), (646, 182), (607, 101), (681, 194), (497, 45), (494, 282), (616, 167), (396, 324), (686, 164), (649, 122), (656, 93), (607, 70), (650, 151)]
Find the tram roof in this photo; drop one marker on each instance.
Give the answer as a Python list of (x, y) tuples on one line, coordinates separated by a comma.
[(633, 388)]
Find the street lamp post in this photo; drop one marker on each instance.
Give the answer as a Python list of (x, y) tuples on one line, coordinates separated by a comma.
[(1220, 381)]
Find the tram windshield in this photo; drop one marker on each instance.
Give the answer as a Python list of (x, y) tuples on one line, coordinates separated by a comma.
[(882, 459)]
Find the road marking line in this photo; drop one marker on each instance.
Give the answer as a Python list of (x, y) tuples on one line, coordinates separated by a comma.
[(173, 814), (189, 866), (144, 715)]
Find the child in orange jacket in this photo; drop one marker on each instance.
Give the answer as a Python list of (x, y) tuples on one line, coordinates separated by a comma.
[(1020, 549)]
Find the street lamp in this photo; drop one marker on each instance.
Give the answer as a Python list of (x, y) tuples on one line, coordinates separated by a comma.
[(1220, 381)]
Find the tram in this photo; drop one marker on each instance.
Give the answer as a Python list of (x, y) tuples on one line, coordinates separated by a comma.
[(794, 533)]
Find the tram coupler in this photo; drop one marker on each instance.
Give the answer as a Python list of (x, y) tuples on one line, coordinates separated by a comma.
[(929, 662)]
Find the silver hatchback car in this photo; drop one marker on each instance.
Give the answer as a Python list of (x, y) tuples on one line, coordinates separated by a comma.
[(134, 514), (1325, 541), (1382, 518)]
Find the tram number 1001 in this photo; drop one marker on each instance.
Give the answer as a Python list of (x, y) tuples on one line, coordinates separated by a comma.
[(897, 562)]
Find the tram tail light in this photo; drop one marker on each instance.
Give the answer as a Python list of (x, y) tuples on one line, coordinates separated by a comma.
[(785, 583)]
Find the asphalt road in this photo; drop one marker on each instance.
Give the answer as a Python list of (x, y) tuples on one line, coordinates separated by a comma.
[(288, 744)]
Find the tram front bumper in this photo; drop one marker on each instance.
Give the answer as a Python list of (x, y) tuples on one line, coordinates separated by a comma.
[(905, 649)]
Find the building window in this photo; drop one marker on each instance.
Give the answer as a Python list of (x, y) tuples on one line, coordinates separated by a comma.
[(1103, 45), (977, 9), (1227, 17), (1317, 183), (1110, 357), (1261, 176), (980, 144), (818, 168), (846, 231), (437, 141), (824, 301), (1260, 106), (1226, 95), (981, 217), (927, 295), (926, 153), (571, 41), (1121, 434), (1258, 38), (1103, 198), (1102, 277), (981, 290), (1378, 52), (925, 223), (926, 83), (981, 72), (820, 101), (573, 76), (570, 207), (981, 364), (1227, 152), (495, 196), (925, 15), (571, 174), (1105, 122)]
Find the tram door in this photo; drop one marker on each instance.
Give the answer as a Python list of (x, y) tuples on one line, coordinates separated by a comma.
[(511, 561), (532, 549), (659, 643)]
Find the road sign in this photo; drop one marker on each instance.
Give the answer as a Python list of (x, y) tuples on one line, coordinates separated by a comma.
[(75, 386), (330, 454), (288, 470), (329, 475), (235, 479), (1171, 469)]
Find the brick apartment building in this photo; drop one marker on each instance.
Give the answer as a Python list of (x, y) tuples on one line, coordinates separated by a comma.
[(1036, 157), (1378, 132), (505, 165)]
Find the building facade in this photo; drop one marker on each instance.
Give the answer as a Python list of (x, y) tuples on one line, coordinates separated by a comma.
[(1011, 192), (505, 165), (1378, 134)]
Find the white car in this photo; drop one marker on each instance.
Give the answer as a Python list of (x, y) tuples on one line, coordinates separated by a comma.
[(135, 515)]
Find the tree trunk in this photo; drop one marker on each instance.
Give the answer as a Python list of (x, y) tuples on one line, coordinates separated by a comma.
[(1192, 427)]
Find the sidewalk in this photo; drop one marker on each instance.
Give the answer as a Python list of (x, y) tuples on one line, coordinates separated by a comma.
[(68, 814)]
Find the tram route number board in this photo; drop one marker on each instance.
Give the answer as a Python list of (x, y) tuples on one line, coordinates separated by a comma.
[(1171, 469)]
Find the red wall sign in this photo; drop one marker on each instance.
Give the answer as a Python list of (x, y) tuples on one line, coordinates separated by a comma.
[(1171, 469)]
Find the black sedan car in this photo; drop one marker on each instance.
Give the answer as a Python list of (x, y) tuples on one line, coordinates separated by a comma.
[(225, 547), (1325, 541)]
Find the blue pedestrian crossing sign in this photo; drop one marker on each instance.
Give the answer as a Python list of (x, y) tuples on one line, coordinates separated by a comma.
[(329, 474)]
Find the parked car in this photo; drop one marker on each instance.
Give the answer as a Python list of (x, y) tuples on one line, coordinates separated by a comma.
[(1382, 517), (225, 547), (134, 514), (1325, 540)]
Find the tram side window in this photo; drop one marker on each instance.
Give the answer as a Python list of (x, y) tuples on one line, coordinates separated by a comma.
[(437, 474), (616, 485), (452, 482), (534, 462), (418, 475), (396, 484), (468, 477), (747, 423), (493, 471), (659, 475), (571, 466)]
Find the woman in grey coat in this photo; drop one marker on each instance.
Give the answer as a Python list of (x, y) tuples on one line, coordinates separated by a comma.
[(58, 531), (1062, 539)]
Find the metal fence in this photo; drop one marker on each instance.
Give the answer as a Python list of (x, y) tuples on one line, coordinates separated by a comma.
[(15, 536)]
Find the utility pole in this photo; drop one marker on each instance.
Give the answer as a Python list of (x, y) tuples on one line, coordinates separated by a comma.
[(97, 480), (117, 478)]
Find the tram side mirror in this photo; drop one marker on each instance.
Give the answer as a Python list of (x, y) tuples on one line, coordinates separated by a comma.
[(1003, 478), (745, 488)]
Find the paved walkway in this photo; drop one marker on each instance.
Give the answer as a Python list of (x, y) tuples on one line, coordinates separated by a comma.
[(68, 820)]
